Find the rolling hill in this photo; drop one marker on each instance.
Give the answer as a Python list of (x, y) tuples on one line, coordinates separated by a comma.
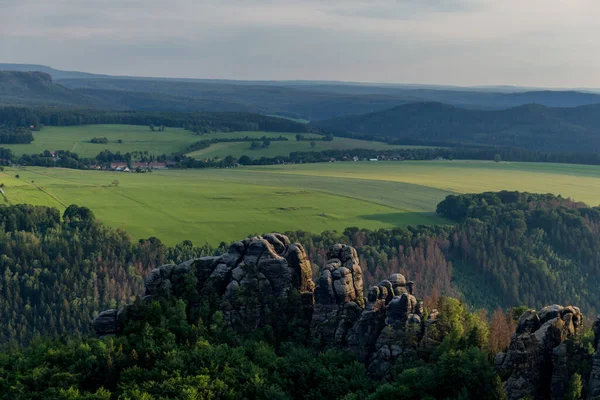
[(310, 100), (36, 88), (529, 126)]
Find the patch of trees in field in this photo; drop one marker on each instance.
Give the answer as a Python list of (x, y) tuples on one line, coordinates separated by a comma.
[(15, 135), (326, 138), (101, 140)]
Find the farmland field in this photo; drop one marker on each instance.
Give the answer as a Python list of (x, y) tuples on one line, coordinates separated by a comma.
[(226, 204), (282, 148), (77, 139), (140, 138)]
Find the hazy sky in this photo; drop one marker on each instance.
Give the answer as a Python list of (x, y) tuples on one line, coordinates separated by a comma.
[(552, 43)]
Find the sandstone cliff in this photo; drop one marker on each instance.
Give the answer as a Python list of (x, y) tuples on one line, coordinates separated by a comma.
[(257, 280), (256, 275)]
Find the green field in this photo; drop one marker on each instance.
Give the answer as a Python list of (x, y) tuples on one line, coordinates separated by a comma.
[(227, 204), (141, 138), (77, 139), (282, 148)]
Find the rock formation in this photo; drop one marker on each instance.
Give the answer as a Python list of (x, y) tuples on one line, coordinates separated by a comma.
[(250, 279), (257, 275), (537, 358), (339, 296), (262, 269)]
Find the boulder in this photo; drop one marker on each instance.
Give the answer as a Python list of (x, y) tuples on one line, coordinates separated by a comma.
[(106, 323), (549, 312), (389, 289)]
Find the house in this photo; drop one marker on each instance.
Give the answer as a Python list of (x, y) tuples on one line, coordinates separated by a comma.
[(141, 165), (373, 159), (157, 165), (355, 158), (118, 166)]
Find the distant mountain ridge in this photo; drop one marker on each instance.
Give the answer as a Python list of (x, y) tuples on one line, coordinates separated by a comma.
[(37, 88), (312, 100), (529, 126)]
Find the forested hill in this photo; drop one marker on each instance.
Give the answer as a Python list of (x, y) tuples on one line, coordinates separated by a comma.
[(195, 121), (36, 88), (532, 127), (39, 89), (505, 249), (194, 334), (299, 99)]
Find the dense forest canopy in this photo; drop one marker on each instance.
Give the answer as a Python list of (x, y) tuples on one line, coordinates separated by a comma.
[(195, 121), (57, 273), (506, 249), (531, 126)]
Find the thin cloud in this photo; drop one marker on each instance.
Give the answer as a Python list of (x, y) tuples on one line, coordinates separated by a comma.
[(468, 42)]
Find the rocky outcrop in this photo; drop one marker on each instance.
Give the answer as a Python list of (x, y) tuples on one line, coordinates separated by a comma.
[(106, 323), (258, 275), (385, 327), (249, 279), (537, 358), (339, 298)]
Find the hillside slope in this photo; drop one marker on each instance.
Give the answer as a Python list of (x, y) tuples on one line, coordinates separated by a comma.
[(311, 100), (36, 88), (529, 126)]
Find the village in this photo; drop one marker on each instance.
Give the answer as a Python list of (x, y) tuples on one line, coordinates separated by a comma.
[(134, 166)]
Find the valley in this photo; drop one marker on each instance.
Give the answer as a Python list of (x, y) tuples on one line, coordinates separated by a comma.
[(176, 140), (215, 205)]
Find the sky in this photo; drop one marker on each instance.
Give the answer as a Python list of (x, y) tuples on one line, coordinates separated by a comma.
[(536, 43)]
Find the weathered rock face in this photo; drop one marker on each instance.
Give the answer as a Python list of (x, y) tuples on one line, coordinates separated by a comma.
[(537, 355), (339, 296), (248, 279), (106, 323), (379, 331)]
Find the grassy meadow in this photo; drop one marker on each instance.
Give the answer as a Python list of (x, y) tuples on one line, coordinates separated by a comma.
[(141, 138), (77, 139), (226, 204)]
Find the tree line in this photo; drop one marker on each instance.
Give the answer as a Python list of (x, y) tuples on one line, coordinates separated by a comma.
[(203, 144), (180, 160), (199, 122), (15, 135)]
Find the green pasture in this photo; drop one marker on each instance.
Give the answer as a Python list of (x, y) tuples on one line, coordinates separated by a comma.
[(283, 148), (77, 139), (172, 140), (215, 205)]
